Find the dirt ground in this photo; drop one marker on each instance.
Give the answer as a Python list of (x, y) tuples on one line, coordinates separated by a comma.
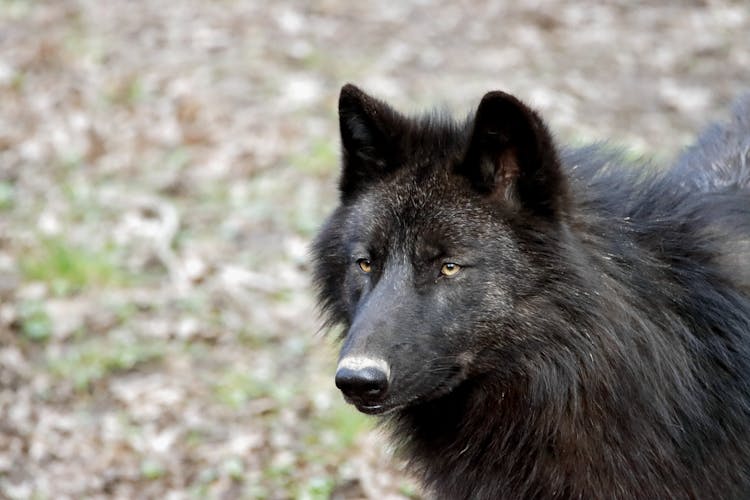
[(164, 165)]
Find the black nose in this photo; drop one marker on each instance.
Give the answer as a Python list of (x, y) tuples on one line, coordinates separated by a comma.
[(363, 384)]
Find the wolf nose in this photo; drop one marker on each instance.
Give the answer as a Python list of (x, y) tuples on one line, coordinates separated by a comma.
[(368, 383)]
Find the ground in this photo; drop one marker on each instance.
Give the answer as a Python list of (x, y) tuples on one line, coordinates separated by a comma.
[(164, 165)]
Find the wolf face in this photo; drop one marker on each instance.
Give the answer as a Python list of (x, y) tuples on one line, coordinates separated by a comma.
[(423, 261)]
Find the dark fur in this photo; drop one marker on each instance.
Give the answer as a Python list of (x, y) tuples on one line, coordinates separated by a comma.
[(595, 343)]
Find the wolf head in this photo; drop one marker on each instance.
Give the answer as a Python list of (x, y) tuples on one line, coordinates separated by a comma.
[(440, 238)]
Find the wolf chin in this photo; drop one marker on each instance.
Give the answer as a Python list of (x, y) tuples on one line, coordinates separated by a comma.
[(531, 321)]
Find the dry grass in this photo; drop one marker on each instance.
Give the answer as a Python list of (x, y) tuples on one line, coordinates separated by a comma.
[(163, 166)]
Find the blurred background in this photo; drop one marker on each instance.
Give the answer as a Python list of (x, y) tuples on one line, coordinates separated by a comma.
[(164, 165)]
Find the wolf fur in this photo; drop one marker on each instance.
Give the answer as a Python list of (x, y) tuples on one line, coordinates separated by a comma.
[(594, 339)]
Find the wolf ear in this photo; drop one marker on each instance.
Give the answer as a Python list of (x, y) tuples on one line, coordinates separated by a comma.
[(512, 157), (369, 132)]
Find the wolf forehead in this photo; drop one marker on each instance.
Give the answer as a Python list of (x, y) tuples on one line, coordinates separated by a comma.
[(417, 166), (428, 139), (419, 202), (402, 210)]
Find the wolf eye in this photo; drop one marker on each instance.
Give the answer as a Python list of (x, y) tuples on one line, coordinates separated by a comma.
[(450, 269), (365, 265)]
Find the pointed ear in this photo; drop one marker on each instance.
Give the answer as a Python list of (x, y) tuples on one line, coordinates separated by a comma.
[(512, 157), (369, 132)]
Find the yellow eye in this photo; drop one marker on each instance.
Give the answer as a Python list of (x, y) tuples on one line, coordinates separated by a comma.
[(450, 269), (365, 265)]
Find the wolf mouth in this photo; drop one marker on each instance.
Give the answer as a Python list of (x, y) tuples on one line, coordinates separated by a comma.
[(456, 377), (377, 409)]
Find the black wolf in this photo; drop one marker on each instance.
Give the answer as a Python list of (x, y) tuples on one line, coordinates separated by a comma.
[(535, 322)]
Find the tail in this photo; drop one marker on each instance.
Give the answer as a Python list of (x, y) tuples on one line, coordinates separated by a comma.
[(720, 159)]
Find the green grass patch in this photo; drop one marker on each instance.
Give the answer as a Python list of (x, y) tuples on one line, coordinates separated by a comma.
[(320, 159), (234, 468), (68, 269), (235, 388), (347, 423), (201, 488), (335, 429), (34, 322), (94, 359), (152, 469), (7, 195), (280, 478), (316, 488)]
